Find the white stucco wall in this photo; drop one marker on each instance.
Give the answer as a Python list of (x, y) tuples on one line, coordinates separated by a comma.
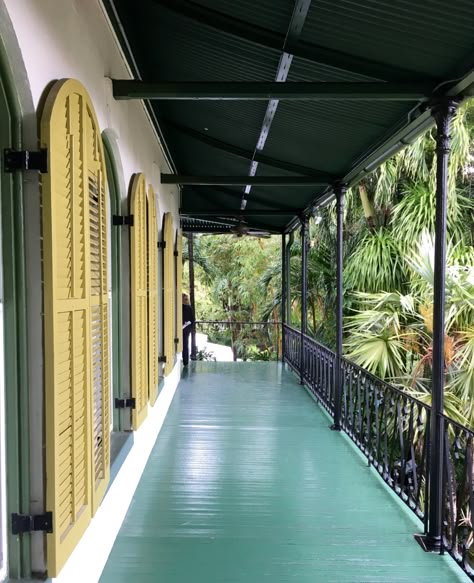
[(72, 38)]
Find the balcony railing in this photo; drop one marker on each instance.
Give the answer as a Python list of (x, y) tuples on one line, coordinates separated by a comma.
[(392, 429), (252, 340), (458, 495)]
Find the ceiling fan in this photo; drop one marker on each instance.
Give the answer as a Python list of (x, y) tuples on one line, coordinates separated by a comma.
[(241, 228)]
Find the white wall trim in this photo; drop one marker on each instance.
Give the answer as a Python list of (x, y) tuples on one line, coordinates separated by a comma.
[(3, 484), (90, 556)]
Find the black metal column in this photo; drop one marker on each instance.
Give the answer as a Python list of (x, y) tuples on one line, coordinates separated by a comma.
[(283, 295), (442, 112), (191, 293), (304, 290), (339, 191), (291, 239)]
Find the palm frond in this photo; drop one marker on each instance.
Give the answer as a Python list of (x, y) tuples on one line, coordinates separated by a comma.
[(376, 264)]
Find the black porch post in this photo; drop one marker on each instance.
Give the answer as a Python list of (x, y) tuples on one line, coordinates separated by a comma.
[(191, 293), (442, 112), (304, 290), (291, 238), (283, 295), (339, 191)]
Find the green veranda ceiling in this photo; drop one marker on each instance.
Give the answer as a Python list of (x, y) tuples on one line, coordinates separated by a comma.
[(355, 80)]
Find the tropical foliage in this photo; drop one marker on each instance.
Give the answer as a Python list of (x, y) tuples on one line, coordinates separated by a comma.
[(228, 290), (388, 272)]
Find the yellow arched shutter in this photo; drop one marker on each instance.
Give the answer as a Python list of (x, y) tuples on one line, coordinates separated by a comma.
[(168, 287), (152, 296), (75, 317), (139, 299), (179, 290)]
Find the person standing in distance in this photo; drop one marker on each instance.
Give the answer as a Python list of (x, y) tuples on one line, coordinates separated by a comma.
[(188, 321)]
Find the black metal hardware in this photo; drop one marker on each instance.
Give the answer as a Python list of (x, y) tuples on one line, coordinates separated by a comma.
[(339, 190), (127, 403), (161, 244), (162, 359), (119, 220), (22, 523), (175, 253), (25, 160), (176, 340)]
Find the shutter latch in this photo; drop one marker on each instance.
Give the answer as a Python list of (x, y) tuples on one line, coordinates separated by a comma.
[(162, 359), (22, 523), (119, 220), (176, 340), (161, 244), (125, 403), (25, 160)]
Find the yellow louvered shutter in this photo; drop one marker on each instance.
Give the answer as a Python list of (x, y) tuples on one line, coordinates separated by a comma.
[(99, 313), (168, 287), (139, 299), (179, 290), (152, 296), (75, 178)]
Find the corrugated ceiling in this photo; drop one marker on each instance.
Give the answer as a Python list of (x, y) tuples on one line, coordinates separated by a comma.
[(423, 39)]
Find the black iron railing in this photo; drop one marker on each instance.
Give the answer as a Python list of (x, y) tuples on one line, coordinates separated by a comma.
[(458, 495), (292, 347), (318, 364), (392, 429), (264, 337)]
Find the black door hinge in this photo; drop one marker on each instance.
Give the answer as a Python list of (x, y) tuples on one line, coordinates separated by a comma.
[(161, 244), (22, 523), (176, 340), (119, 220), (125, 403), (176, 254), (162, 359), (25, 160)]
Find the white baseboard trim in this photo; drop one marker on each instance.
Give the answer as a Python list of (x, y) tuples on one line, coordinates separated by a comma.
[(88, 559)]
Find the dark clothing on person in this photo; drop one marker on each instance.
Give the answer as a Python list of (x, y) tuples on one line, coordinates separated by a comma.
[(188, 316)]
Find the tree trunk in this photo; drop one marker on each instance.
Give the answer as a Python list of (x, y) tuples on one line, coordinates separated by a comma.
[(369, 211), (313, 313), (232, 342)]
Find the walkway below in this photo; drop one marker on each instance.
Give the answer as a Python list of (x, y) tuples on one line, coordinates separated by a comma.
[(246, 484)]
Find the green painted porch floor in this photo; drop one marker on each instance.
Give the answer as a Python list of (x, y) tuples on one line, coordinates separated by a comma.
[(247, 484)]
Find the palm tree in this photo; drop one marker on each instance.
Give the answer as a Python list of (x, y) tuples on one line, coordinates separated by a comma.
[(391, 333)]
